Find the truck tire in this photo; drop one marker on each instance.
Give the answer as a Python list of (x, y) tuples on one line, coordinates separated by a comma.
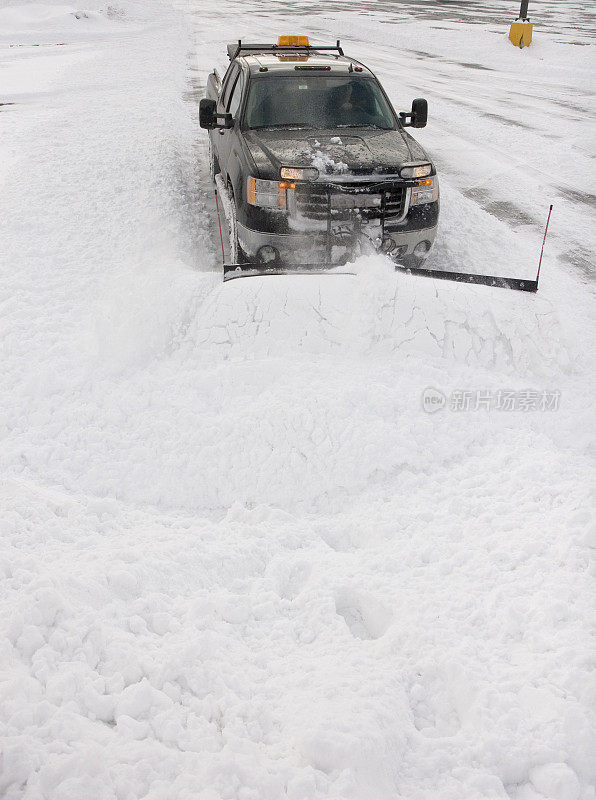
[(213, 162), (237, 254)]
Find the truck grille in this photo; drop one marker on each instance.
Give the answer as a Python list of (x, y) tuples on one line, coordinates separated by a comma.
[(344, 201)]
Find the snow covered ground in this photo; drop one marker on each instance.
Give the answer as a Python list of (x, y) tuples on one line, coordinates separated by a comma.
[(239, 559)]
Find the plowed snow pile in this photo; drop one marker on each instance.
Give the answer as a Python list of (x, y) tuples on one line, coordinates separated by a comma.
[(284, 537), (380, 312)]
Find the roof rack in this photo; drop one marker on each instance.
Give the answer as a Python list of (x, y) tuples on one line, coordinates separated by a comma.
[(236, 48)]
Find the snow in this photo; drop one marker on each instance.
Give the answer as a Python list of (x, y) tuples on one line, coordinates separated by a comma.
[(325, 162), (238, 560)]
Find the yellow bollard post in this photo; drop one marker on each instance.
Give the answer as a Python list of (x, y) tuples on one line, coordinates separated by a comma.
[(520, 33)]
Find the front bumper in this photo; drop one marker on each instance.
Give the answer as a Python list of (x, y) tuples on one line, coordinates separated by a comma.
[(308, 248), (331, 223)]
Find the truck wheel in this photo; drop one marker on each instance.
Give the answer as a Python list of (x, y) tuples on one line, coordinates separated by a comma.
[(213, 163)]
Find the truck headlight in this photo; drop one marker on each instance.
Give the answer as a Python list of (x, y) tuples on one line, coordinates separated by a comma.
[(415, 171), (300, 173), (267, 194), (427, 191)]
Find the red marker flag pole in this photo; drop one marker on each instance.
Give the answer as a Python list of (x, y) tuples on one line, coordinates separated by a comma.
[(543, 241)]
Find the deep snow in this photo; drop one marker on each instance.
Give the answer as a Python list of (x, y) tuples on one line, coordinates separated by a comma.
[(239, 560)]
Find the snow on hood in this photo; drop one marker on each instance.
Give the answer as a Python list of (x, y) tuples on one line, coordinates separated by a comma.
[(367, 151)]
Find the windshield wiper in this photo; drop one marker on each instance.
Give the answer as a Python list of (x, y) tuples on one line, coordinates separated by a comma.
[(365, 125), (289, 127)]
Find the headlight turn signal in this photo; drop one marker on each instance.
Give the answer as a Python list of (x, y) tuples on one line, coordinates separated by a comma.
[(427, 191), (267, 194), (300, 173), (415, 171)]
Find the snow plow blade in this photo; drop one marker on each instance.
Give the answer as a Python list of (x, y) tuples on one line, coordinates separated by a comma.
[(232, 271), (519, 284)]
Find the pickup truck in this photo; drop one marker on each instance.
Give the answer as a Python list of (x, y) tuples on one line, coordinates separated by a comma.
[(314, 160)]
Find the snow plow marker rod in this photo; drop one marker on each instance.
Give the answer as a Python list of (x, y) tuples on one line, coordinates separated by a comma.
[(550, 211)]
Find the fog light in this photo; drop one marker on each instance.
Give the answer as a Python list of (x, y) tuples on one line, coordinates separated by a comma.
[(267, 254), (388, 245), (422, 248)]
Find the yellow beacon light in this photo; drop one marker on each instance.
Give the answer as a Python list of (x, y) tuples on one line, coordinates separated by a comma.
[(292, 41)]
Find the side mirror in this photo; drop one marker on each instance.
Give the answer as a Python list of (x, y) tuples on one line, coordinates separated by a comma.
[(208, 116), (418, 116), (419, 112)]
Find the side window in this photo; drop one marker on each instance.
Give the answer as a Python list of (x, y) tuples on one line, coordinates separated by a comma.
[(229, 84), (236, 96)]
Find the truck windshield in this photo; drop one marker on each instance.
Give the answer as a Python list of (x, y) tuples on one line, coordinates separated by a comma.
[(316, 101)]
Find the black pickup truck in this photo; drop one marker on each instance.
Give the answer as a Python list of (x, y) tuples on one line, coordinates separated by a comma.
[(313, 159)]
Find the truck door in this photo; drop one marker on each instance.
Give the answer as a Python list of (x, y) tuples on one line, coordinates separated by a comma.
[(229, 103)]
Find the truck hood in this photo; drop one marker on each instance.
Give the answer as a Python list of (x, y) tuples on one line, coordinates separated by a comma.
[(353, 151)]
